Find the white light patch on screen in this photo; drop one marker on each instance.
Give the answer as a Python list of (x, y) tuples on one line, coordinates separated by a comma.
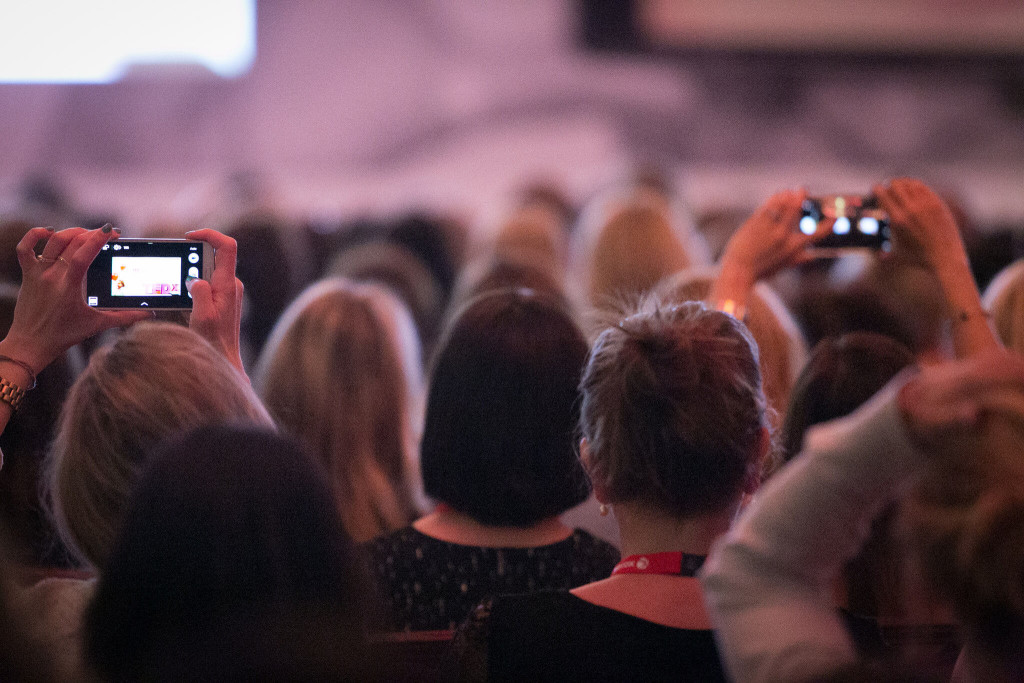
[(808, 225), (71, 41), (145, 276), (868, 225)]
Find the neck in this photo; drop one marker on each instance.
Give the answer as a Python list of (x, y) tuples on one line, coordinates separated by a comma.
[(644, 530), (448, 524)]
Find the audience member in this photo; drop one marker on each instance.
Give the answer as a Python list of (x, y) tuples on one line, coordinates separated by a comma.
[(156, 379), (437, 242), (841, 374), (269, 276), (674, 431), (33, 541), (879, 595), (1004, 301), (498, 455), (534, 234), (232, 564), (341, 371), (626, 243), (782, 351), (398, 269), (767, 584)]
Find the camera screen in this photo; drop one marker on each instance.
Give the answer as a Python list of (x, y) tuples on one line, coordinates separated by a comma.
[(858, 223), (143, 274)]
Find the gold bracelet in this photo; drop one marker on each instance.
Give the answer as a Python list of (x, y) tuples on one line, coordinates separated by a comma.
[(11, 393), (732, 308)]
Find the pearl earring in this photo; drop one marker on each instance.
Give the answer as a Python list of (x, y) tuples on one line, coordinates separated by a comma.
[(603, 510)]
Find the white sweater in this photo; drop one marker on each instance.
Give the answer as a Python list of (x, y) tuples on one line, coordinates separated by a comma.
[(768, 582)]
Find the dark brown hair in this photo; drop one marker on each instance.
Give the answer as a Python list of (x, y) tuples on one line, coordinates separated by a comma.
[(673, 408), (502, 409)]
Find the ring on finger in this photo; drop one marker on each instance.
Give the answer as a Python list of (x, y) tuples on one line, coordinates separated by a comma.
[(44, 259)]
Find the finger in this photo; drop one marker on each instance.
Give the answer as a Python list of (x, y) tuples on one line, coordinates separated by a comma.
[(82, 251), (1009, 404), (239, 298), (892, 204), (27, 245), (204, 313), (805, 257), (55, 245), (793, 206), (226, 253), (124, 318)]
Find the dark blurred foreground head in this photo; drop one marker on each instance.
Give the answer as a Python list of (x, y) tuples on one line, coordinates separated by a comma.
[(232, 564)]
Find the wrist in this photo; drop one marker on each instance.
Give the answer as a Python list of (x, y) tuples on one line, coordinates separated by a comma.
[(23, 351)]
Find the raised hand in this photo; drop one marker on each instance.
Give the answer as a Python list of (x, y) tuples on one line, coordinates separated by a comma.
[(217, 304), (925, 234), (766, 243), (947, 401), (51, 315)]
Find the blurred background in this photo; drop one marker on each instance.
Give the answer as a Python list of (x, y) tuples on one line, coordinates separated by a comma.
[(340, 109)]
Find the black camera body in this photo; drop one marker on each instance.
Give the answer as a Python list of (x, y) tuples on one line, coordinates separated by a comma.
[(857, 222)]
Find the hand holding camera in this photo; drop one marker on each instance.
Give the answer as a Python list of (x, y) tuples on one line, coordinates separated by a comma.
[(766, 243), (217, 307), (51, 315)]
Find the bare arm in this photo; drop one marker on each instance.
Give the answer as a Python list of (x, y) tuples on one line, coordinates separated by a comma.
[(924, 232), (51, 315), (765, 244)]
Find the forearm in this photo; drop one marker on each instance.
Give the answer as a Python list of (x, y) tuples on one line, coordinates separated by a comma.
[(970, 329), (12, 358), (731, 288), (768, 583)]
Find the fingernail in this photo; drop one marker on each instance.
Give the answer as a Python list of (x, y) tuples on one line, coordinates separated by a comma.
[(117, 230), (189, 281), (49, 228), (107, 227)]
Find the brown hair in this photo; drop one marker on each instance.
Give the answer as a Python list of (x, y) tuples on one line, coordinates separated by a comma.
[(154, 381), (673, 409), (781, 346), (966, 526), (341, 373)]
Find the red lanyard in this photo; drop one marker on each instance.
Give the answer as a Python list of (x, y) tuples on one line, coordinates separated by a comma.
[(673, 563)]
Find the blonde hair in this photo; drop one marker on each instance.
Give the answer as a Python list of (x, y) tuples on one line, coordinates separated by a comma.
[(155, 380), (534, 233), (630, 243), (781, 346), (965, 523), (1004, 299), (340, 372)]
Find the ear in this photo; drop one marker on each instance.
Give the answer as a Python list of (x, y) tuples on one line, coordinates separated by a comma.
[(756, 466), (599, 491)]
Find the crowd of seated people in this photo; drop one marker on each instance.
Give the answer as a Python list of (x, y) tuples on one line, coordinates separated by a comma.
[(573, 449)]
